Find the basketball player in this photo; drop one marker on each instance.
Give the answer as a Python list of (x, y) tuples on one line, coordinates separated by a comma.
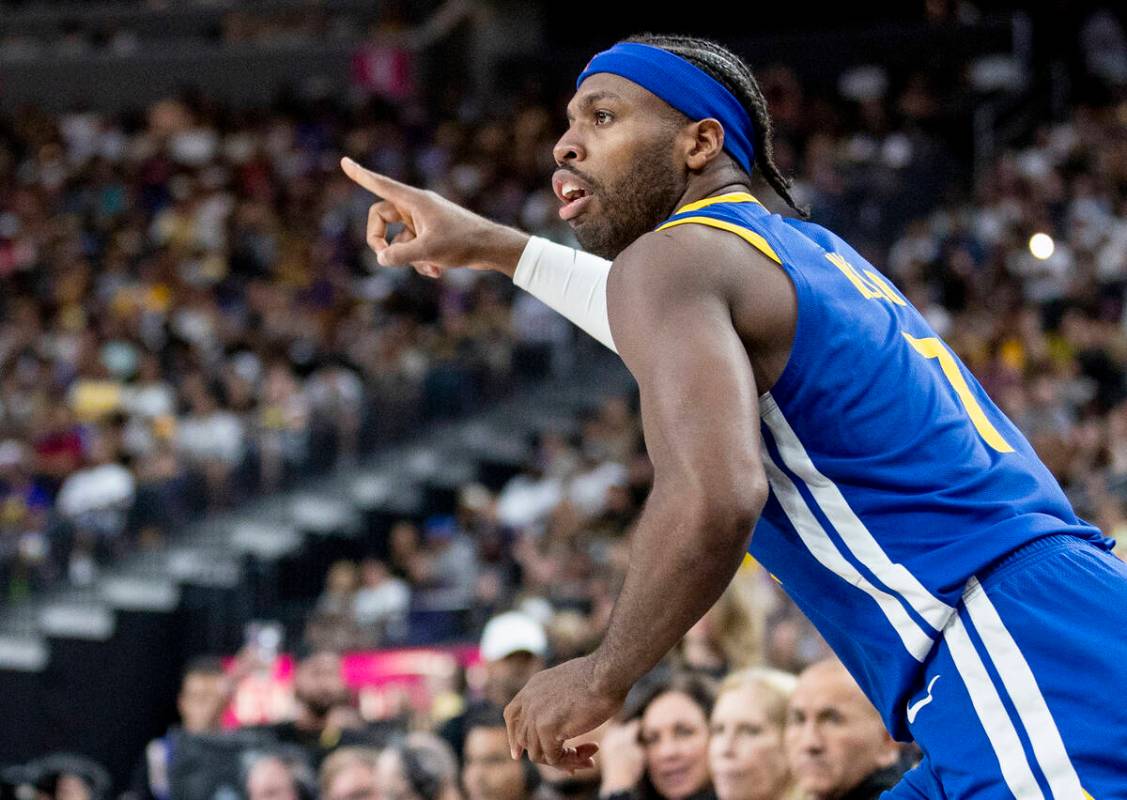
[(787, 385)]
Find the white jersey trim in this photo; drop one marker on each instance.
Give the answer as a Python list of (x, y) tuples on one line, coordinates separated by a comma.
[(818, 542), (860, 541)]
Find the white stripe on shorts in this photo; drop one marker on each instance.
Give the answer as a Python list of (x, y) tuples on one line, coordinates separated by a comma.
[(992, 714), (1022, 688)]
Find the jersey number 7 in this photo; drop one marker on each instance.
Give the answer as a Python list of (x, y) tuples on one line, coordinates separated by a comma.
[(933, 348)]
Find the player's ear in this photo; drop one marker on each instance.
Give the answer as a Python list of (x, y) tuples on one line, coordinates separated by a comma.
[(706, 144)]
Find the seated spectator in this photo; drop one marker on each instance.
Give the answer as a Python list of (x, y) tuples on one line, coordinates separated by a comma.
[(282, 775), (488, 769), (332, 625), (446, 569), (211, 439), (837, 746), (662, 752), (380, 604), (513, 648), (340, 590), (204, 694), (421, 768), (319, 688), (65, 776), (746, 754), (730, 634), (58, 445), (96, 499), (336, 395), (350, 774), (283, 421)]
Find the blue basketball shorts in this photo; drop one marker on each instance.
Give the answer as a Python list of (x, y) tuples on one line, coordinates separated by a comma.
[(1025, 695)]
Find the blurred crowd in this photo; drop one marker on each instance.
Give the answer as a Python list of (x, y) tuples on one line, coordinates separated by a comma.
[(757, 734), (189, 313)]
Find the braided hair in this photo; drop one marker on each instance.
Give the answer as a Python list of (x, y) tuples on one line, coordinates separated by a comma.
[(731, 71)]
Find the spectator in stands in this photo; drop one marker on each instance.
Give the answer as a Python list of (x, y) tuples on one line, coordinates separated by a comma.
[(351, 773), (204, 694), (730, 634), (333, 624), (66, 776), (746, 755), (488, 769), (24, 507), (211, 439), (662, 751), (837, 746), (423, 767), (513, 648), (283, 423), (380, 605), (445, 571), (282, 775), (96, 498), (319, 688)]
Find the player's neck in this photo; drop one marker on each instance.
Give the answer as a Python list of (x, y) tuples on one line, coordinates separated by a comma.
[(701, 187)]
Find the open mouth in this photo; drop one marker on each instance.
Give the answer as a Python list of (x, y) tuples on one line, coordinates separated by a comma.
[(572, 192)]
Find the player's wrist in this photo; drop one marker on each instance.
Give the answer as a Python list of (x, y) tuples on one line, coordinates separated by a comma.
[(500, 248), (606, 678)]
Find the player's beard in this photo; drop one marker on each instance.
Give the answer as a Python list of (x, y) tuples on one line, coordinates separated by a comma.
[(633, 205)]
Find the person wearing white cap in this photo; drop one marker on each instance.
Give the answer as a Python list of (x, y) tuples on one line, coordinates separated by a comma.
[(514, 646)]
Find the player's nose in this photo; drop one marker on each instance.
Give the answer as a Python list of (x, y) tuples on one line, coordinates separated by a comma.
[(567, 149)]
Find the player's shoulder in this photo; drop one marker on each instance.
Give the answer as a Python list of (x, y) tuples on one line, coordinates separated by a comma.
[(690, 258)]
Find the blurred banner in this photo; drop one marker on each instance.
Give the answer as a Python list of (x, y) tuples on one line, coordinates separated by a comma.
[(388, 683)]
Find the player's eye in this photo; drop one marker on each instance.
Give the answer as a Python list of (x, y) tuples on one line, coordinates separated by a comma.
[(602, 117)]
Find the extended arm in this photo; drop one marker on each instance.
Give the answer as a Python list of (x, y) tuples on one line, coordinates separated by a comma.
[(670, 309), (439, 234), (672, 323)]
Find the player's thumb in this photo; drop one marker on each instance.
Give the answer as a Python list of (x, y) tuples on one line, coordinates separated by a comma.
[(400, 253)]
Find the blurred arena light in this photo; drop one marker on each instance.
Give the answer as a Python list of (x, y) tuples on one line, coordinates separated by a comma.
[(1041, 245)]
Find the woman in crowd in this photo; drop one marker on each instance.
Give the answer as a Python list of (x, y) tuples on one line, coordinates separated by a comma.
[(745, 749), (661, 752)]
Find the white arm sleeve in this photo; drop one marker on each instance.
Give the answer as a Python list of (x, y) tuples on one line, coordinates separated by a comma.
[(570, 281)]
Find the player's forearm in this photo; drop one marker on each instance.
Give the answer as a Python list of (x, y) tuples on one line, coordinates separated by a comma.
[(682, 556), (499, 247)]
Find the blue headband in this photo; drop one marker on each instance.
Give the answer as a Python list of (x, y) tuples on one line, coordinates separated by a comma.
[(690, 90)]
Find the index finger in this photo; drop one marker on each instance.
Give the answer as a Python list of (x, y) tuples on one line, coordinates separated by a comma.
[(380, 185), (516, 748)]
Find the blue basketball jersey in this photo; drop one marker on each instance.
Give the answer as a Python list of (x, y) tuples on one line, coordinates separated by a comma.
[(894, 478)]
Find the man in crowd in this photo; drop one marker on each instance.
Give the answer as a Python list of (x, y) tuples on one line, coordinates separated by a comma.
[(204, 693), (283, 775), (489, 771), (350, 774), (513, 648), (319, 688), (421, 768), (836, 744)]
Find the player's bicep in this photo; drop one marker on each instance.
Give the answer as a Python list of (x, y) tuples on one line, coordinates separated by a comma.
[(673, 328)]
